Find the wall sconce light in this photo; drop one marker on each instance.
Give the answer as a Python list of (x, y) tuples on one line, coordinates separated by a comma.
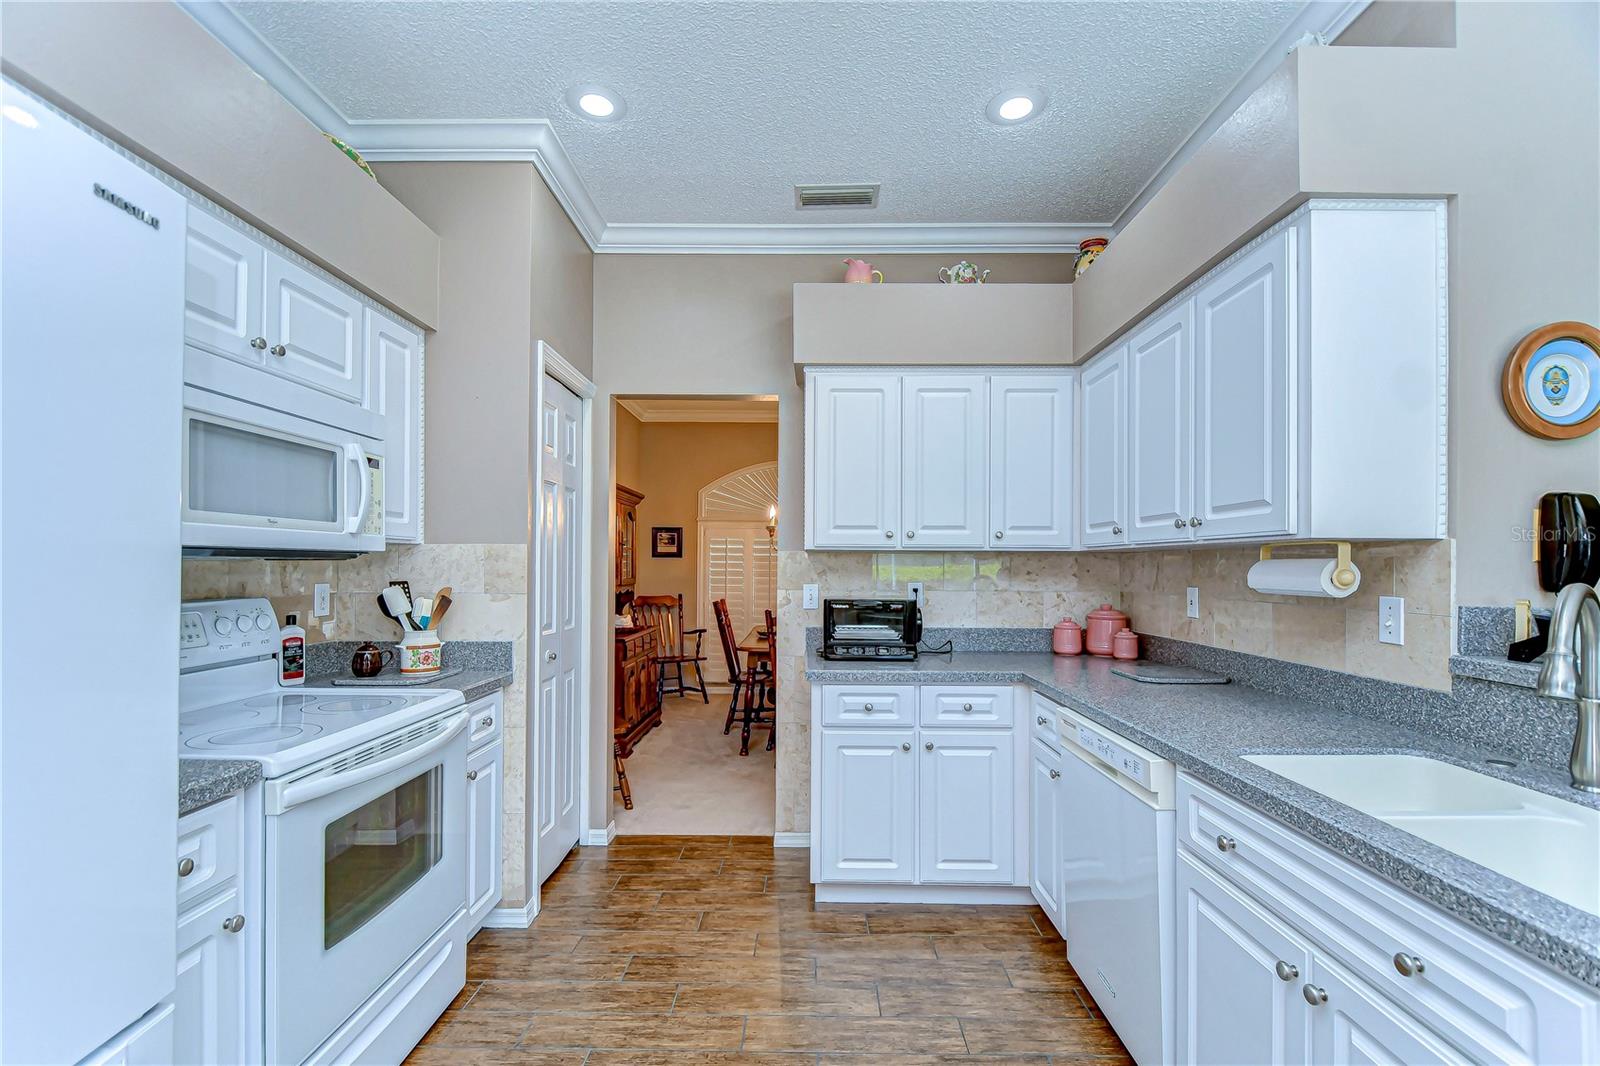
[(772, 522)]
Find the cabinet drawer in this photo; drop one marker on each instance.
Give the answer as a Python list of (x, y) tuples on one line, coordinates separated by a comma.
[(866, 705), (1482, 997), (485, 721), (976, 705), (210, 848), (1045, 720)]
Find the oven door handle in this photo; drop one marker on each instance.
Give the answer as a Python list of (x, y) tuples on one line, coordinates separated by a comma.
[(306, 791), (356, 456)]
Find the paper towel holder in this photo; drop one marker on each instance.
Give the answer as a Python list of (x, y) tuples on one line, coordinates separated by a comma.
[(1344, 575)]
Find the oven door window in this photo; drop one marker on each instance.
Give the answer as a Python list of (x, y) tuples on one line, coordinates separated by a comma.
[(236, 471), (372, 855)]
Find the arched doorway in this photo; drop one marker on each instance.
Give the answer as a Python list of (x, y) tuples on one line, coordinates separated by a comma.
[(738, 559)]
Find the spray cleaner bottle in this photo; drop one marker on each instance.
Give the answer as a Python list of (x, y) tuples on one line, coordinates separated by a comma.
[(291, 653)]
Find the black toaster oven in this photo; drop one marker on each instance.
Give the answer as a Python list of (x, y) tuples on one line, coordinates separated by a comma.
[(871, 630)]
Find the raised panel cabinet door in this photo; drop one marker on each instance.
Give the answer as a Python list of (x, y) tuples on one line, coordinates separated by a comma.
[(394, 359), (1352, 1023), (1240, 974), (313, 331), (944, 503), (1103, 433), (484, 776), (868, 796), (853, 468), (1030, 461), (1243, 425), (1044, 830), (209, 999), (965, 809), (222, 289), (1160, 443)]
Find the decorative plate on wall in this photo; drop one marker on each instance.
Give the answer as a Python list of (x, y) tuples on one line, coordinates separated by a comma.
[(1551, 383)]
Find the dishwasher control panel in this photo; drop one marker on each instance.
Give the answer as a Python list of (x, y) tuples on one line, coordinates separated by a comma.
[(1143, 768)]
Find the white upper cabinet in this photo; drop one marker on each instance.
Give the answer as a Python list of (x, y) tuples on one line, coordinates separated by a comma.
[(1158, 428), (944, 472), (222, 290), (1242, 412), (394, 358), (1030, 460), (1103, 421), (314, 331), (853, 472)]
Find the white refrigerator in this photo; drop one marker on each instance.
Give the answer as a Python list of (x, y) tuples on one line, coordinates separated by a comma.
[(91, 348)]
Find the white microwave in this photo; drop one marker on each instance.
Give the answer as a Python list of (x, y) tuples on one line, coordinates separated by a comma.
[(261, 482)]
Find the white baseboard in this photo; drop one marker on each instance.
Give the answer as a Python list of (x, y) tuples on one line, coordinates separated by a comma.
[(791, 840), (599, 838), (512, 917), (1006, 895)]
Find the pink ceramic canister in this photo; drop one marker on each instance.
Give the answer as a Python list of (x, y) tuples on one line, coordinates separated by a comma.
[(1125, 645), (1067, 638), (1105, 622)]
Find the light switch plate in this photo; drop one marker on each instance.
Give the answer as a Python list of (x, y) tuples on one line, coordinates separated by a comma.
[(1193, 607), (1391, 619), (914, 588), (321, 600), (808, 595)]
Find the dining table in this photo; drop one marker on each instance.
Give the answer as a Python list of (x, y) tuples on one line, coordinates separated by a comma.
[(757, 644)]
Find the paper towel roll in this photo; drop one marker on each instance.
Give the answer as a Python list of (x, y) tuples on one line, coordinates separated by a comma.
[(1300, 577)]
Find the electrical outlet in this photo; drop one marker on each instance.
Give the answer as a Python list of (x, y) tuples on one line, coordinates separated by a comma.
[(1391, 619), (808, 595), (915, 589), (321, 600), (1193, 607)]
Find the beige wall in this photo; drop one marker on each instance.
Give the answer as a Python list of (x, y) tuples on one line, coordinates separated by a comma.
[(627, 450), (932, 324), (676, 461), (1403, 23), (149, 77)]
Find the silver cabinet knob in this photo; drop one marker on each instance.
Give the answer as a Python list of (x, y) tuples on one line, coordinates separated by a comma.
[(185, 866), (1042, 720), (234, 924), (1178, 523), (911, 534), (1287, 971), (486, 721), (999, 535), (258, 343), (550, 655), (1193, 521), (1408, 965), (966, 708), (279, 350), (1054, 774), (866, 708), (1116, 531), (905, 745), (1226, 842), (888, 534), (472, 775), (1315, 994), (928, 746)]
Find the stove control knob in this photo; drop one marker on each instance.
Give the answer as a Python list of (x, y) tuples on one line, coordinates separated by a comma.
[(243, 623), (263, 621), (223, 625)]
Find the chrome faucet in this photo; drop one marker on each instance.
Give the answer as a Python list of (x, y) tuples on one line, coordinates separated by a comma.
[(1569, 676)]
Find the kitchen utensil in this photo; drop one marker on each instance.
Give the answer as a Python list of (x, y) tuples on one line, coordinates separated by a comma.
[(368, 660), (441, 604), (1105, 622), (1067, 638), (420, 653), (399, 605), (383, 605), (423, 609)]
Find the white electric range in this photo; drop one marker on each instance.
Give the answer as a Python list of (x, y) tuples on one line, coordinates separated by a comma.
[(365, 822)]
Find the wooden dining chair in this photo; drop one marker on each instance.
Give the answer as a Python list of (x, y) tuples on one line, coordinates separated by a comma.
[(771, 693), (664, 614), (730, 652), (748, 704)]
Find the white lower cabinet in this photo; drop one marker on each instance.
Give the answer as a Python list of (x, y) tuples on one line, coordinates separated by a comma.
[(1354, 1023), (964, 815), (1044, 829), (869, 799), (485, 772), (210, 996)]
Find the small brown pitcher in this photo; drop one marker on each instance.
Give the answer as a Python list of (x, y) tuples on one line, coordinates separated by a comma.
[(369, 660)]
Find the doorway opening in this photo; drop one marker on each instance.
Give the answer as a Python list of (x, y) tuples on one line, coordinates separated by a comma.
[(696, 494)]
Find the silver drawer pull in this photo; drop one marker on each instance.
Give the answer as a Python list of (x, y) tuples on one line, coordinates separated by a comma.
[(1408, 965), (486, 722), (967, 708), (185, 866), (866, 708), (1042, 720), (888, 534), (279, 350), (1287, 971), (1315, 994), (234, 924), (472, 775), (1116, 531), (999, 534), (1196, 522), (258, 343), (1178, 523), (928, 746), (1226, 842), (1054, 774), (905, 745), (911, 534)]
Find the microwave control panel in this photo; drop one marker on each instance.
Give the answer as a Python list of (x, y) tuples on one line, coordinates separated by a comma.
[(372, 524), (219, 631)]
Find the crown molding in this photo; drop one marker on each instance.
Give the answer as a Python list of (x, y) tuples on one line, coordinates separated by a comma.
[(684, 409), (1325, 19), (876, 238)]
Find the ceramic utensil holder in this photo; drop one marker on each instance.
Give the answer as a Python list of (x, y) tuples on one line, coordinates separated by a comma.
[(420, 652)]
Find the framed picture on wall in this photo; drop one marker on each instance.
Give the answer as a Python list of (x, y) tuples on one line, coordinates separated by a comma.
[(666, 542)]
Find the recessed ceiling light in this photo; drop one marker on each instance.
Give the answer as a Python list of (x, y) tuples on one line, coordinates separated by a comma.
[(1015, 105), (596, 103)]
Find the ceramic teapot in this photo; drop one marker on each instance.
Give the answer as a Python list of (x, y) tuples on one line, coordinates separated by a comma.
[(859, 271), (962, 273)]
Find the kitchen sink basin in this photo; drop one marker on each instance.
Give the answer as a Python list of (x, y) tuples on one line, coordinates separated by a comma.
[(1546, 843)]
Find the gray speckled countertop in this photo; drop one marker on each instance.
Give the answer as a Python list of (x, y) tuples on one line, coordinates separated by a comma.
[(1205, 729), (202, 782), (472, 684)]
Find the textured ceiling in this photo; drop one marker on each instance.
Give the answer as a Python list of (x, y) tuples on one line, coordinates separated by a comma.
[(731, 104)]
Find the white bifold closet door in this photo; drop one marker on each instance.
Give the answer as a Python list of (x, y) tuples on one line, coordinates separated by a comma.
[(739, 564), (558, 706)]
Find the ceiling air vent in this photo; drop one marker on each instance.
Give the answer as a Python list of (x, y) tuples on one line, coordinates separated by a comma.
[(835, 196)]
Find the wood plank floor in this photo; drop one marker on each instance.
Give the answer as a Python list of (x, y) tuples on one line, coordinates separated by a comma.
[(696, 951)]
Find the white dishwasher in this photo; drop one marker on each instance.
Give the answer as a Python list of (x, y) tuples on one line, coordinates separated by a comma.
[(1117, 853)]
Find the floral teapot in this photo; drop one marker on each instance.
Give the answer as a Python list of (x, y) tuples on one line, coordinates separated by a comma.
[(963, 273)]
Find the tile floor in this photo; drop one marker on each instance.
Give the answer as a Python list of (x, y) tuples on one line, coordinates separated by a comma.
[(695, 951)]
